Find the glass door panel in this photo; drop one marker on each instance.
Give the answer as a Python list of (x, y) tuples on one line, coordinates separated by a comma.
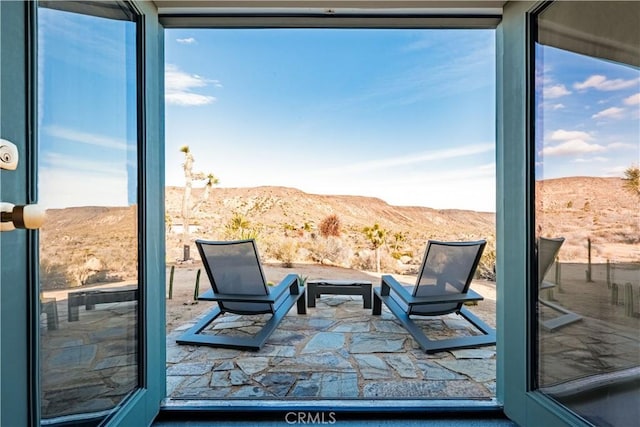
[(587, 209), (88, 182)]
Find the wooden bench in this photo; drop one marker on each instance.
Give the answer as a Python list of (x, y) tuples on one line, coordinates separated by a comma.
[(98, 296), (49, 306)]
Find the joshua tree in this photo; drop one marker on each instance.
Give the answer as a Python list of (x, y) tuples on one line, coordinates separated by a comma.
[(632, 180), (211, 181), (377, 236), (399, 238), (187, 207)]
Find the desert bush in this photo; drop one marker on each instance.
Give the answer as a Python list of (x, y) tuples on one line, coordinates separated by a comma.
[(487, 266), (240, 228), (284, 250), (331, 249), (54, 275), (632, 180), (330, 226), (84, 274), (364, 260)]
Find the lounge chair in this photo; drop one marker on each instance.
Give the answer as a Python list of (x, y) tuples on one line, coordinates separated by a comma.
[(442, 287), (547, 251), (239, 286)]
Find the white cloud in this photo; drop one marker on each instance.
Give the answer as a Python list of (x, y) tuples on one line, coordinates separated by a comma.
[(549, 106), (188, 40), (613, 113), (188, 99), (633, 99), (179, 86), (564, 135), (593, 159), (555, 91), (572, 147), (449, 153), (87, 138), (600, 82)]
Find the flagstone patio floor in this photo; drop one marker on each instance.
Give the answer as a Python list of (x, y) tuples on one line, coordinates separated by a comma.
[(338, 350)]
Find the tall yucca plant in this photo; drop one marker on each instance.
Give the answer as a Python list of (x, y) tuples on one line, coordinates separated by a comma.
[(188, 208)]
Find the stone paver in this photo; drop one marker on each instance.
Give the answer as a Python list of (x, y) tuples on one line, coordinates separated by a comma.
[(337, 350)]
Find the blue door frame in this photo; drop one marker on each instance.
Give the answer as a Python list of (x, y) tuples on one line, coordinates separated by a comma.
[(19, 302)]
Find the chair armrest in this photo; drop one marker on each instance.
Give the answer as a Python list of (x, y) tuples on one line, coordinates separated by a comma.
[(290, 281), (547, 285), (390, 283)]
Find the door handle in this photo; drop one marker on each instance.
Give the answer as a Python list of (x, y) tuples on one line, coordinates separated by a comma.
[(26, 217), (12, 216)]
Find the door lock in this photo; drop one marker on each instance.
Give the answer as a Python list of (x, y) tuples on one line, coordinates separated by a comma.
[(8, 155), (12, 216)]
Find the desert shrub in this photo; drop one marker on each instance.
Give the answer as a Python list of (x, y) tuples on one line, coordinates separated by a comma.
[(330, 249), (487, 265), (364, 260), (240, 228), (284, 250), (389, 264), (54, 275), (86, 272), (330, 226)]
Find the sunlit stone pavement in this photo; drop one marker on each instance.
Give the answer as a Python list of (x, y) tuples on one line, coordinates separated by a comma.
[(337, 350)]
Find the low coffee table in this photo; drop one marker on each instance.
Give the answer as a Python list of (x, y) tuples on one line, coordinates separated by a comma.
[(315, 288)]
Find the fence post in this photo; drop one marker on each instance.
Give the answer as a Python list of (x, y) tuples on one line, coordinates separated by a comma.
[(589, 260), (628, 300), (608, 273), (196, 291), (558, 275), (614, 294), (173, 268)]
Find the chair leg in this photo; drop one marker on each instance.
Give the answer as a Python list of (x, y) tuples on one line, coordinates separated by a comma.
[(302, 304), (377, 305), (435, 346), (193, 335), (566, 317)]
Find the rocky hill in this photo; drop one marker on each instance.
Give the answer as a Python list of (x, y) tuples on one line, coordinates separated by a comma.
[(281, 208), (81, 245), (586, 208)]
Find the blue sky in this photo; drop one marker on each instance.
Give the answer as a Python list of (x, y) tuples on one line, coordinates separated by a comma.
[(404, 115), (87, 136), (588, 115)]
